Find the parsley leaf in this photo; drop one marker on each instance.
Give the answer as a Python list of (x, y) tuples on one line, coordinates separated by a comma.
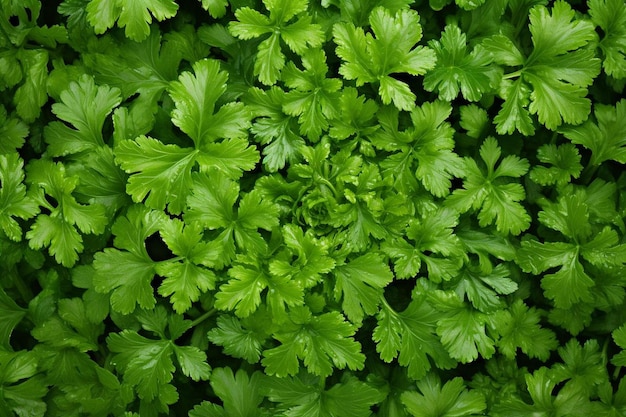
[(583, 367), (162, 172), (619, 336), (85, 106), (554, 78), (610, 16), (12, 131), (14, 200), (451, 400), (240, 395), (430, 235), (127, 272), (211, 204), (496, 198), (249, 279), (11, 315), (425, 148), (134, 16), (462, 329), (305, 258), (159, 174), (565, 161), (185, 278), (322, 342), (147, 363), (238, 337), (361, 282), (369, 59), (273, 128), (298, 35), (410, 336), (304, 395), (519, 327), (21, 390), (456, 70), (196, 97), (540, 387), (571, 283), (483, 289), (59, 230), (605, 138), (313, 97)]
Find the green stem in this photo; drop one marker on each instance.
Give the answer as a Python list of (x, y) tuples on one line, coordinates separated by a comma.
[(512, 75), (25, 292), (203, 317), (588, 173)]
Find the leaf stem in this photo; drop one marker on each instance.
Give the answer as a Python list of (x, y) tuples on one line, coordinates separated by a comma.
[(512, 75), (25, 292), (588, 173), (203, 317)]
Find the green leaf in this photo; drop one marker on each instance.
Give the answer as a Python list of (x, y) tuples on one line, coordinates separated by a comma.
[(369, 59), (361, 282), (185, 278), (22, 391), (273, 128), (249, 279), (540, 387), (145, 363), (519, 327), (313, 97), (305, 396), (610, 16), (496, 197), (32, 95), (514, 114), (237, 340), (217, 8), (308, 258), (60, 229), (426, 148), (483, 290), (12, 131), (240, 395), (472, 74), (410, 336), (451, 400), (211, 203), (322, 342), (127, 272), (134, 16), (299, 35), (554, 78), (195, 97), (565, 161), (461, 328), (84, 106), (606, 137), (74, 312), (583, 367), (570, 283), (356, 115), (14, 201), (432, 242), (192, 362), (474, 120), (11, 315), (619, 336)]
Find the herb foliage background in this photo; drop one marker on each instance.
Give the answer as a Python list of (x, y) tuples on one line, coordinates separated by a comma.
[(292, 208)]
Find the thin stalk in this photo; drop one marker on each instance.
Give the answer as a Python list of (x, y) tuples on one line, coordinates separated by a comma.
[(203, 317)]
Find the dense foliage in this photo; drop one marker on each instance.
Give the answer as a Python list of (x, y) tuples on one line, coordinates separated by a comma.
[(296, 208)]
